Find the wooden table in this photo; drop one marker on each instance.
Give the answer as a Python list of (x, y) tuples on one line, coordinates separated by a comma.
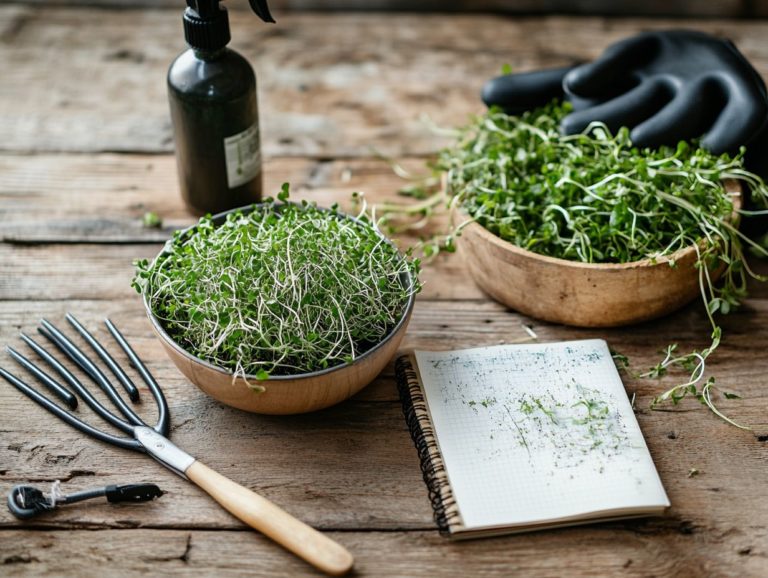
[(85, 151)]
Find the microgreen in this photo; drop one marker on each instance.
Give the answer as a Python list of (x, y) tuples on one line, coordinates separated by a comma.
[(593, 197), (151, 220), (282, 290)]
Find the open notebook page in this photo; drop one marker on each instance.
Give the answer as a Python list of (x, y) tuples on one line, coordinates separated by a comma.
[(537, 433)]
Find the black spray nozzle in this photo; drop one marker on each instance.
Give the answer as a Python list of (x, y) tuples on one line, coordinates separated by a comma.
[(206, 24), (262, 10), (205, 9), (210, 9)]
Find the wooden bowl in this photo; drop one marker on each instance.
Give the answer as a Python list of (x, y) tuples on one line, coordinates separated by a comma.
[(583, 294), (290, 394)]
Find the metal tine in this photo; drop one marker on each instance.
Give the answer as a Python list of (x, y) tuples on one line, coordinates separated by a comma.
[(49, 331), (163, 418), (128, 385), (54, 386), (75, 384), (67, 417)]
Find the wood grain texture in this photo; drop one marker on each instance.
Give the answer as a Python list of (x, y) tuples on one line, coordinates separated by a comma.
[(259, 513), (101, 198), (84, 83), (671, 550), (319, 465), (330, 85), (83, 272)]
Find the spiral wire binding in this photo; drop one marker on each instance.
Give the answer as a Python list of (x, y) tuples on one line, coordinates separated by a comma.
[(444, 505)]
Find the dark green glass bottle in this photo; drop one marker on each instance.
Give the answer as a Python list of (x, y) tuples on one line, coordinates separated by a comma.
[(214, 110)]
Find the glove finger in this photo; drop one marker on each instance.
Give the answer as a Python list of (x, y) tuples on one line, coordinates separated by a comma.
[(686, 116), (742, 117), (516, 93), (628, 109), (610, 73)]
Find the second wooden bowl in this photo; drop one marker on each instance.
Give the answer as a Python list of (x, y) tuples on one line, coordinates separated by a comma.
[(582, 294)]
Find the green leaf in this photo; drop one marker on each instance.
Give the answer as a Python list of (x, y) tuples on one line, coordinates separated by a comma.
[(151, 220), (284, 193)]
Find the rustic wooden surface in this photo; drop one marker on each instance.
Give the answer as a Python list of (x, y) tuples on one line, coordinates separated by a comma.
[(689, 8), (84, 152)]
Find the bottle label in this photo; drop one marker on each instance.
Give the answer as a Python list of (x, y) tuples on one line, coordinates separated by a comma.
[(242, 154)]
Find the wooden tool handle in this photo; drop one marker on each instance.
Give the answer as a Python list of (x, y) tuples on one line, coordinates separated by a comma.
[(267, 518)]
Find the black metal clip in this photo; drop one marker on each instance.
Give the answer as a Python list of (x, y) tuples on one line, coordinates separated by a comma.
[(26, 502), (133, 493)]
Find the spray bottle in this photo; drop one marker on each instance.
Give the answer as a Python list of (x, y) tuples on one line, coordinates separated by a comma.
[(212, 93)]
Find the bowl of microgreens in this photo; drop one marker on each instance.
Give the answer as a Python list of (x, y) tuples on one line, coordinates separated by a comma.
[(590, 294), (589, 230), (586, 229), (279, 308)]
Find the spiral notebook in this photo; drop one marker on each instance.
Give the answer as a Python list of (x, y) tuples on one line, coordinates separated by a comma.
[(515, 438)]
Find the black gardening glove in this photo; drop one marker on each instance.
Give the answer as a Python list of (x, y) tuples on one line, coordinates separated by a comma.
[(665, 86)]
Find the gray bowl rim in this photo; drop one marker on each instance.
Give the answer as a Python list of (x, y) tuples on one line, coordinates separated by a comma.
[(219, 218)]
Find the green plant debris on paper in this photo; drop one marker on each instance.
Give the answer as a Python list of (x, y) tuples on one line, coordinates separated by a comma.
[(569, 428), (539, 400)]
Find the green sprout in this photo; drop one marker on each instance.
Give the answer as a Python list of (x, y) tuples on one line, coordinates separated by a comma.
[(151, 220)]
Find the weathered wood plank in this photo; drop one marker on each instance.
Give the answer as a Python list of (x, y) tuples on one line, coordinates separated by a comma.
[(674, 551), (86, 272), (450, 324), (331, 84), (317, 467), (102, 198)]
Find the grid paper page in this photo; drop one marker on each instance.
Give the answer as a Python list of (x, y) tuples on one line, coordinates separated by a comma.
[(537, 433)]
